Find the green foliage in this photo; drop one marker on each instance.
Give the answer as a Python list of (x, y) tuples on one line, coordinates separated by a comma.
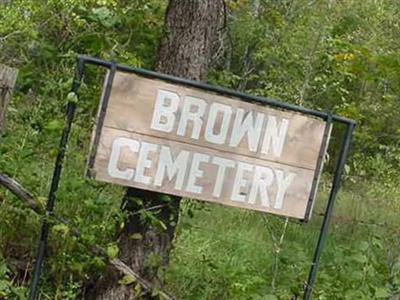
[(334, 56), (41, 38), (222, 253), (7, 288), (339, 56)]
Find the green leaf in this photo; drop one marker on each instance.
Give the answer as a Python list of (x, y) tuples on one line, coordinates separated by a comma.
[(105, 16), (162, 225), (363, 246), (165, 198), (112, 251), (396, 268), (101, 13), (136, 236), (3, 270), (381, 293), (265, 297), (356, 276), (136, 200), (54, 125), (42, 201), (72, 97), (98, 262), (127, 279), (61, 229), (360, 258), (155, 292)]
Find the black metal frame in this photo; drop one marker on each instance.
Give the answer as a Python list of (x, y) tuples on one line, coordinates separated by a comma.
[(318, 168), (100, 118), (113, 67)]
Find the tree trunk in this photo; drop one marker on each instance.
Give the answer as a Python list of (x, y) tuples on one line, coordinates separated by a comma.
[(8, 76), (191, 36)]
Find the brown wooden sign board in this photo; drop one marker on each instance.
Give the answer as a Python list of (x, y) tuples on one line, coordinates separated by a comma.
[(193, 143)]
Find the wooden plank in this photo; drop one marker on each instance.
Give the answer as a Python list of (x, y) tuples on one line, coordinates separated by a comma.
[(192, 143), (132, 103), (294, 202), (8, 77)]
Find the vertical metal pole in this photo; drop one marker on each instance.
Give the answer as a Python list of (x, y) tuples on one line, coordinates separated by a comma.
[(100, 119), (45, 227), (325, 223)]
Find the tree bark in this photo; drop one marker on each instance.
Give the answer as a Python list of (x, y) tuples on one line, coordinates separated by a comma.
[(192, 29), (8, 76)]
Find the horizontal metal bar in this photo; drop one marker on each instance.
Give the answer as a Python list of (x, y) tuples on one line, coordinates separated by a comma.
[(217, 89)]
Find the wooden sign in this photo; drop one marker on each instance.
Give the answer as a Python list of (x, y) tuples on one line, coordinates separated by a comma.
[(189, 142)]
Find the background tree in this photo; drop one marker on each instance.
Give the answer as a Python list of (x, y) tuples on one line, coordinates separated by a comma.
[(339, 56), (192, 30)]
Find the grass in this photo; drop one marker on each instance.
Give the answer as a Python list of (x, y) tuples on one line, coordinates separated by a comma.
[(228, 253), (219, 252)]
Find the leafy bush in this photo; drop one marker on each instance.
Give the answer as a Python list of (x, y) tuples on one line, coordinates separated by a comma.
[(339, 56)]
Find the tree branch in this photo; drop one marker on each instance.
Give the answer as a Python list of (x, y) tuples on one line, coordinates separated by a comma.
[(30, 201), (19, 191)]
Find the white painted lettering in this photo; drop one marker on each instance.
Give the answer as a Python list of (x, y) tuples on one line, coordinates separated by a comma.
[(263, 178), (283, 184), (195, 116), (164, 111), (247, 126), (172, 168), (222, 165), (195, 173), (274, 137), (240, 182), (144, 162), (220, 137), (117, 145)]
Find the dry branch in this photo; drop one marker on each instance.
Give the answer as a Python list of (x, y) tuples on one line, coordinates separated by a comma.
[(19, 191), (30, 201)]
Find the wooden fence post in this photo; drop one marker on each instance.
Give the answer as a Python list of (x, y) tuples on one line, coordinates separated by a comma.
[(8, 76)]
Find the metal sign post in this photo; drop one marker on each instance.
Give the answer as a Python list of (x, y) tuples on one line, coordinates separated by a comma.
[(329, 208), (113, 67), (45, 227)]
